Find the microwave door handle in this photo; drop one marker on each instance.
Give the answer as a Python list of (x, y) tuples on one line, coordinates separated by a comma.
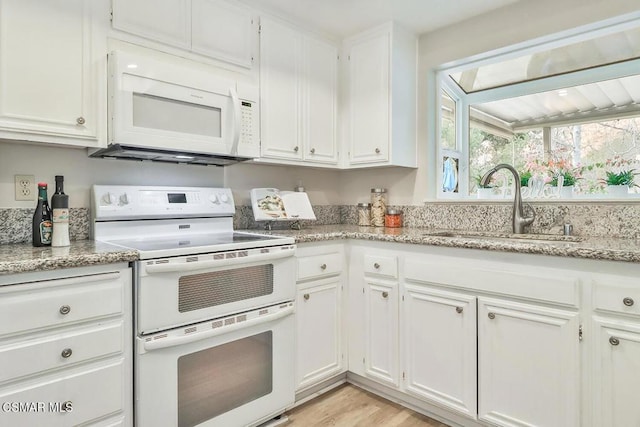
[(199, 265), (198, 336), (237, 120)]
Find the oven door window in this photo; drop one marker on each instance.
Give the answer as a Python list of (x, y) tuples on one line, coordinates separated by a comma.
[(242, 372), (204, 290)]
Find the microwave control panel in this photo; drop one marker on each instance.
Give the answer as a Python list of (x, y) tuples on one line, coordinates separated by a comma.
[(249, 122)]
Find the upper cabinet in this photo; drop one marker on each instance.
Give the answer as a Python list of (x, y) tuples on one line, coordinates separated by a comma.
[(215, 28), (52, 71), (298, 85), (381, 98)]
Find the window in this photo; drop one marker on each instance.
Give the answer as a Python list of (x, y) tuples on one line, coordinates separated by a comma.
[(568, 116)]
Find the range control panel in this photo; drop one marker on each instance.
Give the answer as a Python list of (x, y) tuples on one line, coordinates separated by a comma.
[(110, 202)]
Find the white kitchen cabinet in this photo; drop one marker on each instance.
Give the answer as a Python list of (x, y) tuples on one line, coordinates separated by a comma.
[(217, 29), (320, 341), (298, 83), (53, 71), (528, 364), (67, 337), (381, 99), (439, 347), (381, 335), (165, 21)]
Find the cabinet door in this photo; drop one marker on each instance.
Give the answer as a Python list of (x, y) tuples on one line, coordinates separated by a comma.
[(279, 91), (47, 84), (318, 331), (165, 21), (222, 30), (616, 378), (528, 364), (320, 61), (369, 64), (381, 314), (439, 334)]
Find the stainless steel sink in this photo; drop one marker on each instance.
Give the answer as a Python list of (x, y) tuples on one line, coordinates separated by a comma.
[(524, 238)]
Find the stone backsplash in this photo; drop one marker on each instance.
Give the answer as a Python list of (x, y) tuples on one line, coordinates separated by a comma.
[(593, 219)]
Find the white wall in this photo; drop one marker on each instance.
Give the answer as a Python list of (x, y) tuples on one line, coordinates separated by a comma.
[(80, 172)]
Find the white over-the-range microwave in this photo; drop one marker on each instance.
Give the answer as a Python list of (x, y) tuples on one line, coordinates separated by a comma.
[(179, 112)]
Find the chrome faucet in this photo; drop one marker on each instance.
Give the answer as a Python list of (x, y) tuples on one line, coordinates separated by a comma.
[(518, 220)]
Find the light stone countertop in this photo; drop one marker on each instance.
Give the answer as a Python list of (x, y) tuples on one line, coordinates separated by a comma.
[(22, 257)]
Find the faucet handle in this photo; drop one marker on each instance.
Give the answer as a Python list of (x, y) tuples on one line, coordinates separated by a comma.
[(529, 219)]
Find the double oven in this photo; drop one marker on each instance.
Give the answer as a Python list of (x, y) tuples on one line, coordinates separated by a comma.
[(213, 317)]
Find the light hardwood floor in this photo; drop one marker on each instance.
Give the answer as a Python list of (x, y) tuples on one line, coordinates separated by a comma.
[(350, 406)]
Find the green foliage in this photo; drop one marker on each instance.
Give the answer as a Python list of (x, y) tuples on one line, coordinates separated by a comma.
[(625, 177), (569, 179), (524, 178)]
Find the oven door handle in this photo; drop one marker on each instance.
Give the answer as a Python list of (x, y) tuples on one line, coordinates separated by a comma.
[(199, 265), (172, 341)]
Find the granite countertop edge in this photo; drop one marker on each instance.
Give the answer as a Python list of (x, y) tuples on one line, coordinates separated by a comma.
[(22, 258)]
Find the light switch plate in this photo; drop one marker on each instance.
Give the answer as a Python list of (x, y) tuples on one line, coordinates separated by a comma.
[(25, 187)]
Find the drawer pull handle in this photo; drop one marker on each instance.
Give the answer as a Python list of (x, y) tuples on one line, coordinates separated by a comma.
[(65, 309), (459, 310), (313, 151), (385, 294), (377, 151), (628, 301), (376, 265), (80, 120), (492, 316), (306, 297), (323, 266), (296, 148), (66, 353), (614, 341)]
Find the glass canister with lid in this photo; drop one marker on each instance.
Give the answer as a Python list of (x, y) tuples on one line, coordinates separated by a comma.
[(378, 206), (364, 214), (393, 218)]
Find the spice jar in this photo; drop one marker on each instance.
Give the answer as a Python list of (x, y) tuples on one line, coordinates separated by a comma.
[(378, 206), (393, 218), (364, 214)]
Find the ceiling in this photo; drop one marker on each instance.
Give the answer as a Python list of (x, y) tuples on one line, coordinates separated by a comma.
[(343, 18)]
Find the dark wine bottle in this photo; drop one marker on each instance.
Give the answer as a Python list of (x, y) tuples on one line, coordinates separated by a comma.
[(42, 223), (60, 207)]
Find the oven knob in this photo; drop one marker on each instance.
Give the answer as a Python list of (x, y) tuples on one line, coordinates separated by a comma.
[(124, 199), (224, 198), (109, 199), (214, 199)]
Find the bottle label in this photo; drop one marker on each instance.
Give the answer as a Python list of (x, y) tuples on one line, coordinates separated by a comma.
[(46, 228), (61, 216)]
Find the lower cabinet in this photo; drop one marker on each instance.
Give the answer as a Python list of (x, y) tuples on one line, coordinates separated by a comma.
[(381, 336), (66, 336), (439, 335), (528, 364), (320, 341), (319, 331)]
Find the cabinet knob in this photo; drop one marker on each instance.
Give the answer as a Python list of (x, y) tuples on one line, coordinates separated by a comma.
[(376, 265), (377, 151), (80, 120), (385, 294), (323, 267), (459, 309), (614, 341), (66, 353), (65, 309), (313, 151), (628, 301), (296, 148), (492, 316), (306, 297)]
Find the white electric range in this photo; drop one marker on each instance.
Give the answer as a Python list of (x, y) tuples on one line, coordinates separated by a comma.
[(213, 307)]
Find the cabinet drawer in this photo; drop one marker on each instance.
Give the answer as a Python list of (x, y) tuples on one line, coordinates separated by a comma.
[(90, 394), (381, 265), (58, 302), (323, 265), (622, 298), (60, 350)]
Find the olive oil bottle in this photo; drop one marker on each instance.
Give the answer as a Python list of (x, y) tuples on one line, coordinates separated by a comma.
[(42, 222)]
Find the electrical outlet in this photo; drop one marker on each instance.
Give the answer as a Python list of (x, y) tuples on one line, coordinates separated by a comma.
[(25, 187)]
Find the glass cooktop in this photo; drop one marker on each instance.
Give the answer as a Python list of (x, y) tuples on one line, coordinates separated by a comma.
[(210, 241)]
